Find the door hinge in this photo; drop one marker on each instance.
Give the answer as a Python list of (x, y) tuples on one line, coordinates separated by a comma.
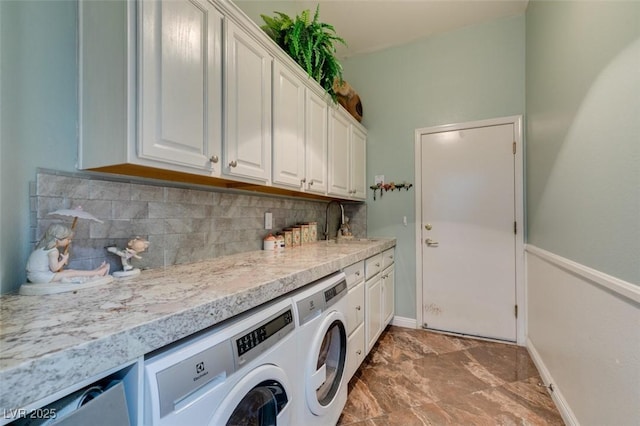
[(514, 147), (515, 310), (515, 228)]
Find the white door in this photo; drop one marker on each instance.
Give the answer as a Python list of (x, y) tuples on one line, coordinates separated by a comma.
[(357, 174), (288, 128), (339, 161), (316, 143), (248, 106), (468, 214), (180, 80)]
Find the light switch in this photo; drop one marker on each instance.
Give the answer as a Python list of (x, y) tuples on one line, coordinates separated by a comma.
[(268, 220)]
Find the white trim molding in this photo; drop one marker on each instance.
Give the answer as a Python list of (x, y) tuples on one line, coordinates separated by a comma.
[(404, 322), (582, 334), (614, 284)]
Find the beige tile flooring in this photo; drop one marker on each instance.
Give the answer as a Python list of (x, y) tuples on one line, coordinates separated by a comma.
[(416, 377)]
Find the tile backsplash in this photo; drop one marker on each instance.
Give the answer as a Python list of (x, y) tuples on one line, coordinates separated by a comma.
[(182, 223)]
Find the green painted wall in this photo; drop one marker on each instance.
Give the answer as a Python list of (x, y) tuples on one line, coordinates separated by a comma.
[(470, 74), (38, 79), (583, 133)]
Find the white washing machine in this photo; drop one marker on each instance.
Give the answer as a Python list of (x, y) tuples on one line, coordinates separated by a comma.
[(320, 312), (240, 373)]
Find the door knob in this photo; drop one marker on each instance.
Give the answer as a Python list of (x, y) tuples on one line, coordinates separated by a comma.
[(428, 227), (233, 163), (214, 159), (431, 243)]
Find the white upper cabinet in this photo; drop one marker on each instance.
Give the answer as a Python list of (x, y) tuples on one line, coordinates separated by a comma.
[(150, 89), (288, 128), (299, 133), (193, 91), (180, 83), (358, 157), (248, 106), (316, 131), (339, 129), (347, 157)]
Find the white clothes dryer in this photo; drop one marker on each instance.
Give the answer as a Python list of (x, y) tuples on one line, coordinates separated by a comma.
[(320, 312), (239, 373)]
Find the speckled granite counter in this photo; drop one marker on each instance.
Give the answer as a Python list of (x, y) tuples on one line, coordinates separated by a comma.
[(48, 343)]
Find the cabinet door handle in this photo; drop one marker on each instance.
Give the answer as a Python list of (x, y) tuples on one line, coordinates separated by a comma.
[(302, 181), (378, 264), (358, 308), (311, 182), (214, 159), (358, 273), (358, 352), (233, 163)]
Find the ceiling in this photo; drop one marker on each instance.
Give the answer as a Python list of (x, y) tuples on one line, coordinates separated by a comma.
[(371, 25)]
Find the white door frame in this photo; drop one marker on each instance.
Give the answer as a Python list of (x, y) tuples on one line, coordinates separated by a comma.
[(519, 211)]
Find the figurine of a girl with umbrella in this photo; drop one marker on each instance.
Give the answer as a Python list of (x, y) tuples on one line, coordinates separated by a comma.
[(46, 262), (45, 266)]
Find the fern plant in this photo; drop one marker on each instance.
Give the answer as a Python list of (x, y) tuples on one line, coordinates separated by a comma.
[(311, 43)]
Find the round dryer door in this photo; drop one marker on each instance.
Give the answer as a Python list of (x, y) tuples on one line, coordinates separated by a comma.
[(327, 366), (261, 398)]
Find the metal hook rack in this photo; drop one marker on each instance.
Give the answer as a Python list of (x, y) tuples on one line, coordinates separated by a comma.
[(391, 186)]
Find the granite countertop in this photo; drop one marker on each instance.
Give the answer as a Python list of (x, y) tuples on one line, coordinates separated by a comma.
[(48, 343)]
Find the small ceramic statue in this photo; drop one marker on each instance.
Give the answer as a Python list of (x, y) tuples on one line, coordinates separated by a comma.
[(46, 262), (134, 246), (344, 233)]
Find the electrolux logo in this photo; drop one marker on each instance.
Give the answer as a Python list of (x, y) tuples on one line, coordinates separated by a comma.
[(200, 371)]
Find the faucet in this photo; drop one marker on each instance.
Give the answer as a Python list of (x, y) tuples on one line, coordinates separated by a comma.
[(326, 223)]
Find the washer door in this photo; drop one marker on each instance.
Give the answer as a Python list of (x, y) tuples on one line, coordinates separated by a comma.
[(325, 368), (261, 398)]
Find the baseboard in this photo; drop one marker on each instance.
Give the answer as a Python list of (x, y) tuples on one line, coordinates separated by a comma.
[(404, 322), (553, 389)]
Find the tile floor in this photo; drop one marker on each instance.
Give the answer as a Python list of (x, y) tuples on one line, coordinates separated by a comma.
[(416, 377)]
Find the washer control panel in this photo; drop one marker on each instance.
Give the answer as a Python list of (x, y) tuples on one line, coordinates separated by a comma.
[(255, 341)]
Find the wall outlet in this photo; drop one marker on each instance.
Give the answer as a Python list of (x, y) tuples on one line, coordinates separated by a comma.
[(268, 220), (379, 179)]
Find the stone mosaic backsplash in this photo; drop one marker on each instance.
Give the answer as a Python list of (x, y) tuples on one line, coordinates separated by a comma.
[(182, 223)]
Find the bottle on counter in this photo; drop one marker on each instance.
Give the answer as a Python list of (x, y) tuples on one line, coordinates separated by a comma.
[(269, 243)]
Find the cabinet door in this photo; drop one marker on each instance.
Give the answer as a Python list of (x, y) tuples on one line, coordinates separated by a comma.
[(355, 351), (358, 173), (388, 292), (373, 311), (180, 83), (288, 128), (339, 135), (316, 132), (355, 315), (248, 106)]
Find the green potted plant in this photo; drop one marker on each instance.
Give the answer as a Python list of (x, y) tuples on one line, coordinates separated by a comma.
[(311, 43)]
